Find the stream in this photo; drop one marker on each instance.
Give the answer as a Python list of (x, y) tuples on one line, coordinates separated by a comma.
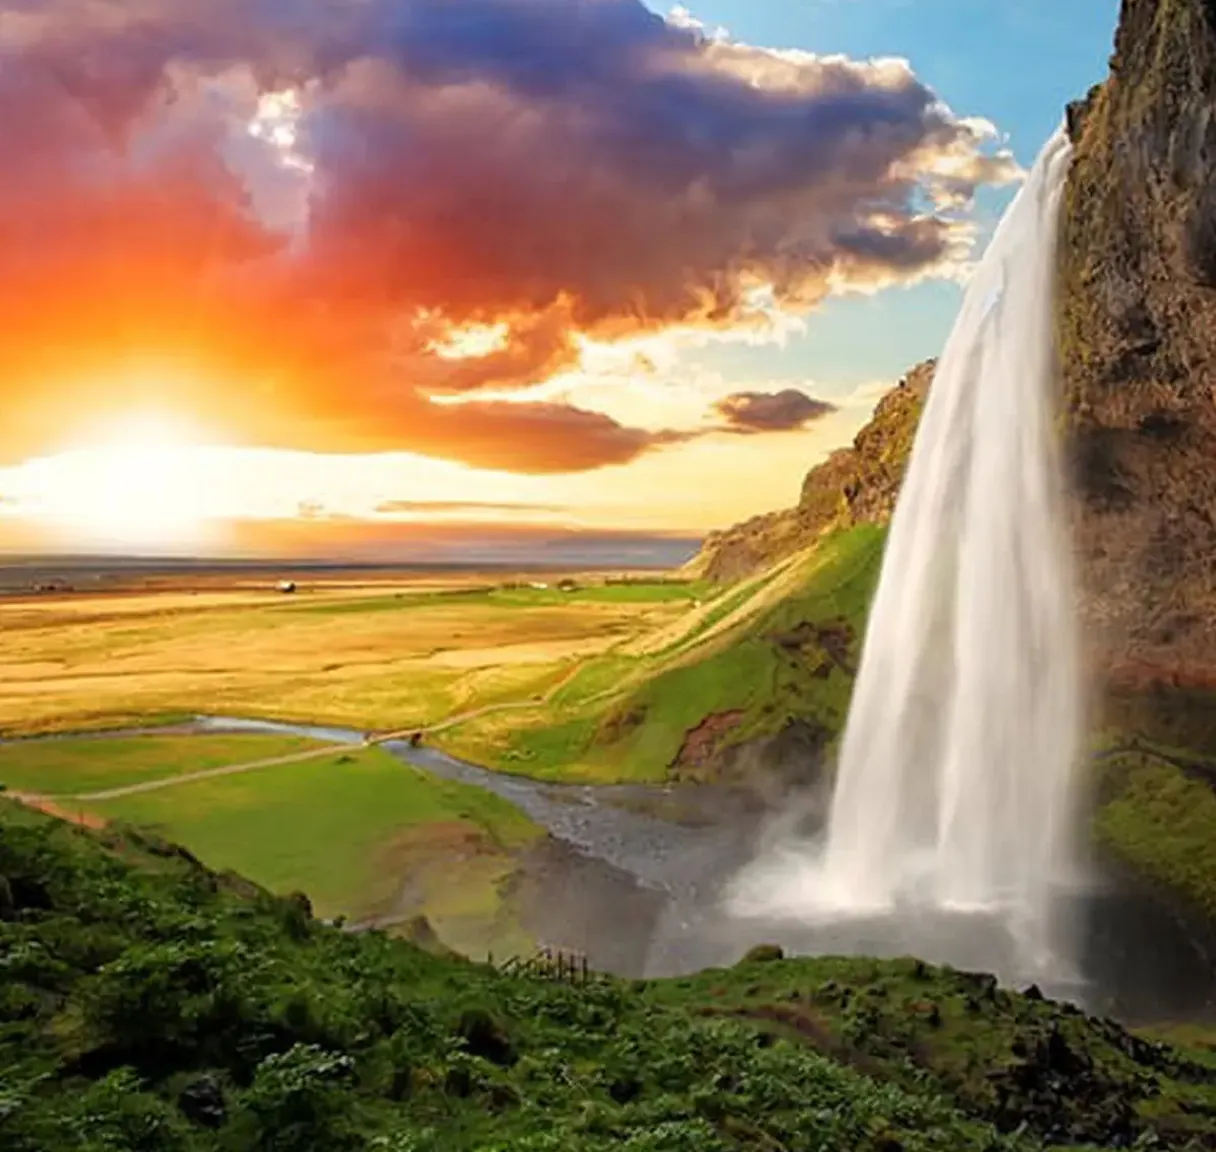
[(637, 872), (1134, 957)]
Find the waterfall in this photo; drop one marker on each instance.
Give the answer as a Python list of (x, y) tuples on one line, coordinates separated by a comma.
[(955, 781)]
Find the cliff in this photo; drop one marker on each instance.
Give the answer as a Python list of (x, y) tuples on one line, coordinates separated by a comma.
[(1137, 342), (856, 485), (1137, 336)]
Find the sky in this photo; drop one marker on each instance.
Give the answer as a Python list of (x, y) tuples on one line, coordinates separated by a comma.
[(313, 276)]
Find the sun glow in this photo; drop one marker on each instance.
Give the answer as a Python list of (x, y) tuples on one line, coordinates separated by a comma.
[(138, 485)]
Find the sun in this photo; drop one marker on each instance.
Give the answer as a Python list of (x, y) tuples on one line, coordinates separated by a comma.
[(137, 484)]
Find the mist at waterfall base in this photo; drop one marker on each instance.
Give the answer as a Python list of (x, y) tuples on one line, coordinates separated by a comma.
[(951, 829)]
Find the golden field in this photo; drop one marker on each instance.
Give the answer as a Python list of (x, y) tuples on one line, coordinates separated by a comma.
[(381, 655)]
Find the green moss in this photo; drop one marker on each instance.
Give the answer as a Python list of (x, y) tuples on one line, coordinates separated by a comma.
[(1160, 820)]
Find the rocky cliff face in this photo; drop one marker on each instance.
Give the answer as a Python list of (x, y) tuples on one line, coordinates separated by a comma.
[(1137, 335), (856, 485), (1138, 343)]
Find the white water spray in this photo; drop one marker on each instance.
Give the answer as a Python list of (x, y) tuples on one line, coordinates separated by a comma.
[(955, 779)]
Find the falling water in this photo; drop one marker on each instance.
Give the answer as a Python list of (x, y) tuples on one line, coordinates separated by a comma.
[(956, 770)]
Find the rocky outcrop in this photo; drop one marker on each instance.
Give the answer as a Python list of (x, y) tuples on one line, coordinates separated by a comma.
[(1138, 342), (856, 485)]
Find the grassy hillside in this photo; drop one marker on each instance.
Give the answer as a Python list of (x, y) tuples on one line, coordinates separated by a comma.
[(748, 663), (855, 485), (765, 653), (152, 1006)]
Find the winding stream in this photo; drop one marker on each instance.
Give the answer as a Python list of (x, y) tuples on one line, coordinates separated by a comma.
[(676, 847), (1135, 957)]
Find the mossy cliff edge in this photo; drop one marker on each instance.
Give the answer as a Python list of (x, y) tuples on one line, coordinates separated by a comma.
[(1137, 340)]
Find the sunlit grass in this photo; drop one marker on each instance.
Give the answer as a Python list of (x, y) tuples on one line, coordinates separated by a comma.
[(336, 828), (388, 660), (70, 767)]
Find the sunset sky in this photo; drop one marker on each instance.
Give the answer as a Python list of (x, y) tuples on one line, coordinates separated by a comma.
[(300, 274)]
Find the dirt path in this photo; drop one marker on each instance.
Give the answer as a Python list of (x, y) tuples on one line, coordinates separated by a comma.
[(53, 807), (298, 757), (208, 774)]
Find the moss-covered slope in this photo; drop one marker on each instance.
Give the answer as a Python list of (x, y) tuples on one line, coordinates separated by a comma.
[(148, 1005)]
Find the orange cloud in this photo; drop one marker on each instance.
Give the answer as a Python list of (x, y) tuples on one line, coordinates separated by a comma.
[(467, 508), (303, 200)]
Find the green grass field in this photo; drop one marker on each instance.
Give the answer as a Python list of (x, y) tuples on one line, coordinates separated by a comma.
[(755, 653), (604, 679), (70, 767), (640, 680), (345, 829)]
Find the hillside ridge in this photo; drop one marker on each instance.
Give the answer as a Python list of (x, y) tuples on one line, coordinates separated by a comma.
[(855, 485)]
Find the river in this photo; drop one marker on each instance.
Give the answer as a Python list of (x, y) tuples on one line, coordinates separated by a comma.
[(640, 869), (1133, 956)]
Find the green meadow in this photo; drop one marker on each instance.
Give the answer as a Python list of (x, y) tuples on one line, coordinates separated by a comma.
[(761, 655), (363, 834), (71, 767)]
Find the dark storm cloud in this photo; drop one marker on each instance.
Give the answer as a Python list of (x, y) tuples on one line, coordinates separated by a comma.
[(560, 167), (771, 411)]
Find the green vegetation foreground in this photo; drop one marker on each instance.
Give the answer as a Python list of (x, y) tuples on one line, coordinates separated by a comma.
[(149, 1004), (366, 836)]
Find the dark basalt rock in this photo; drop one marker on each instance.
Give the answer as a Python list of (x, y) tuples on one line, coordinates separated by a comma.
[(485, 1037), (202, 1102)]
